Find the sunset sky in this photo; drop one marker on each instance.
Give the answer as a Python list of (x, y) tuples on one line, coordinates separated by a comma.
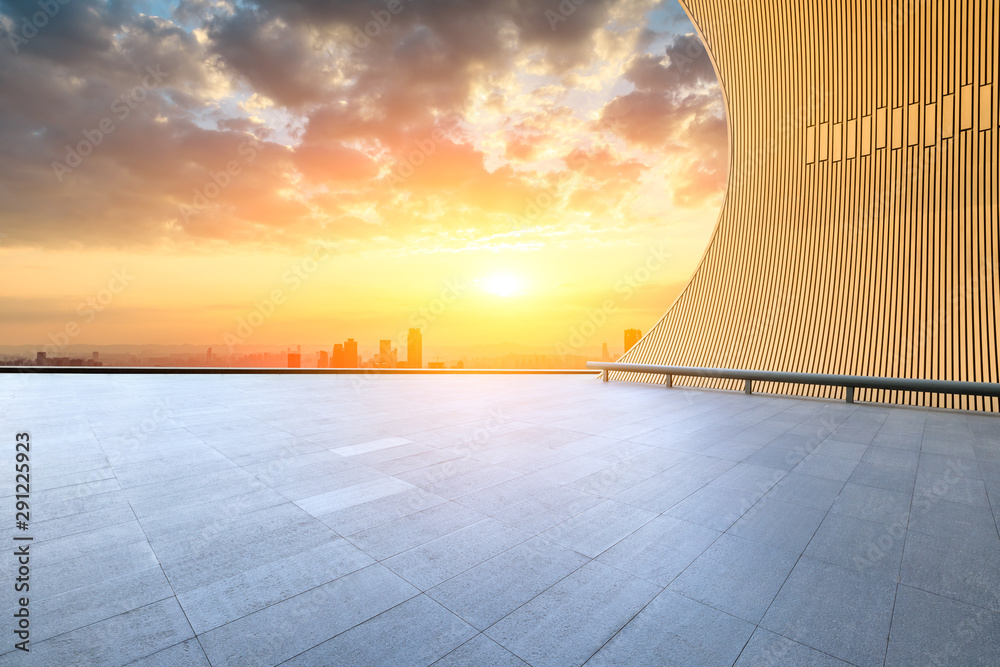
[(494, 170)]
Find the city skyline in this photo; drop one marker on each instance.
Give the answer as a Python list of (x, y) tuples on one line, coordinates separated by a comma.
[(349, 354)]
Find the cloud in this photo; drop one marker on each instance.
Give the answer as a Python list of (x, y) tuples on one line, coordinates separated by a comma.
[(685, 65), (275, 122), (676, 108), (275, 59), (336, 163), (706, 168)]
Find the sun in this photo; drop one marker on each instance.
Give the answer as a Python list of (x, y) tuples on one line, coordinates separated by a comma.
[(502, 284)]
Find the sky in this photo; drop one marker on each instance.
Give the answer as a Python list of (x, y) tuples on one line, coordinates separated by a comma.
[(233, 174)]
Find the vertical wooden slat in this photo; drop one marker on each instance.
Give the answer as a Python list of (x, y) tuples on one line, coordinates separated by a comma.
[(859, 233)]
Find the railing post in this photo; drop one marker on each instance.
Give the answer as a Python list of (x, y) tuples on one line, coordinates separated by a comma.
[(604, 375), (985, 389)]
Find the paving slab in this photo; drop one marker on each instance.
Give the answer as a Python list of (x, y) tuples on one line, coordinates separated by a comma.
[(736, 576), (674, 630), (572, 620), (834, 610)]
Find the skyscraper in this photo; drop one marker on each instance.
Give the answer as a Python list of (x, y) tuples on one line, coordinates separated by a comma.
[(384, 354), (324, 360), (350, 353), (604, 352), (294, 359), (632, 337), (415, 349)]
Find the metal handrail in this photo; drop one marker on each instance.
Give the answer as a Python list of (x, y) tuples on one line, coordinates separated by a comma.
[(849, 382)]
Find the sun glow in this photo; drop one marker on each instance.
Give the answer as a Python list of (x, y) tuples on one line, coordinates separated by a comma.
[(503, 285)]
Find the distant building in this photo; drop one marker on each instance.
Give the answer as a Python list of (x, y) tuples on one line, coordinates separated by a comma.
[(324, 360), (40, 359), (208, 356), (339, 359), (350, 353), (294, 358), (97, 355), (67, 361), (604, 353), (435, 364), (414, 349), (386, 355), (632, 337)]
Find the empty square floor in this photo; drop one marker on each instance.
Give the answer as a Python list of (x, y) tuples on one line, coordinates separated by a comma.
[(493, 520)]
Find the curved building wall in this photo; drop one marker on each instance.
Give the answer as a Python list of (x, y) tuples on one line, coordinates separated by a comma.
[(859, 234)]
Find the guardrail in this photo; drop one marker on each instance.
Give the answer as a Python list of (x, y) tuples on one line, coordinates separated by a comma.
[(849, 382)]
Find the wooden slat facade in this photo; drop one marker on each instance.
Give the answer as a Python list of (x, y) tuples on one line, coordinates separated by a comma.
[(859, 234)]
